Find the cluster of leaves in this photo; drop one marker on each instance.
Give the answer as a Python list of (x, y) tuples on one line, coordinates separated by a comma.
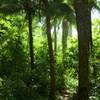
[(95, 62), (17, 80)]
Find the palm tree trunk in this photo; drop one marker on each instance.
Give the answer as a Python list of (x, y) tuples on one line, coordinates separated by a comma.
[(55, 39), (64, 47), (91, 41), (52, 63), (83, 27), (31, 40), (52, 95), (29, 14)]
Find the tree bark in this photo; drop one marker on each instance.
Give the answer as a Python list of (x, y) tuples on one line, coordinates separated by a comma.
[(52, 95), (55, 38), (52, 63), (83, 27), (31, 40), (29, 15), (64, 37), (90, 19), (64, 47)]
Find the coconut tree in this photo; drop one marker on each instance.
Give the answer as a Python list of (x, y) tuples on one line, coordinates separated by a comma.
[(52, 15)]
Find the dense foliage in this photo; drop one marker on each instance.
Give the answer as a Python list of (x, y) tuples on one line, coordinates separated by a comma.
[(18, 81)]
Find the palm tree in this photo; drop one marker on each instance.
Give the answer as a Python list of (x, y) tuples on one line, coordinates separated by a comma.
[(83, 27), (66, 17), (55, 14), (51, 55)]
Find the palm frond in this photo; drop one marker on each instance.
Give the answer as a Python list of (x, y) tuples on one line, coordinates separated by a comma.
[(61, 10)]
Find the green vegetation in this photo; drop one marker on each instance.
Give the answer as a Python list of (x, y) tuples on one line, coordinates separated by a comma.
[(39, 57)]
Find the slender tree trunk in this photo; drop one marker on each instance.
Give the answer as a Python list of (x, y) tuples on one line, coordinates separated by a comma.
[(64, 47), (90, 20), (31, 40), (64, 37), (52, 95), (83, 27), (70, 29), (55, 39), (29, 15), (52, 63)]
